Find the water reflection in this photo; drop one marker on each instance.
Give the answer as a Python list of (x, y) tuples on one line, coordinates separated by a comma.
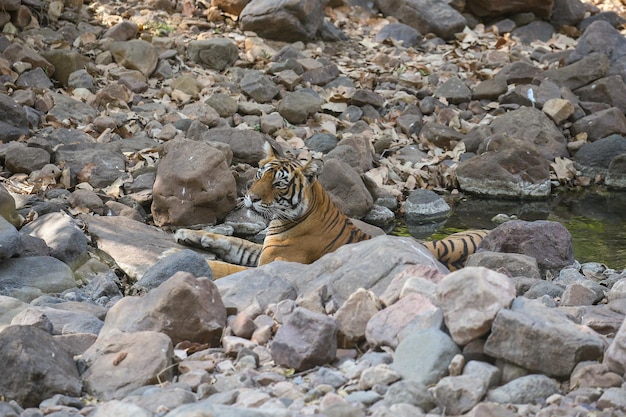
[(596, 218)]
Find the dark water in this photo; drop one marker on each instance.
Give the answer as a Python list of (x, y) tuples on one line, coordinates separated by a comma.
[(595, 218)]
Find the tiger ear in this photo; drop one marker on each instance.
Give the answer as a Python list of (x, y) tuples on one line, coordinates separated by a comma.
[(272, 151), (313, 169)]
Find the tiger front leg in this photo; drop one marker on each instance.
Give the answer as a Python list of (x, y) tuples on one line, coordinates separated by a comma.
[(228, 248)]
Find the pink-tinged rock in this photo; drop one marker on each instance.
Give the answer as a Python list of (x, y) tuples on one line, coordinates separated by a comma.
[(413, 312), (353, 315), (470, 298), (121, 362), (184, 307), (306, 340)]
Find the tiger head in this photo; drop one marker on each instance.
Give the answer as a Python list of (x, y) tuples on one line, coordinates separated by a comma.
[(281, 188)]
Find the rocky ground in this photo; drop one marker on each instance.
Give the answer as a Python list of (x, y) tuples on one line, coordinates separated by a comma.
[(120, 121)]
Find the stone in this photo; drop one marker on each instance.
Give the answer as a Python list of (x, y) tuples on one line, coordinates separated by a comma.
[(39, 366), (578, 74), (135, 54), (289, 21), (550, 243), (471, 298), (133, 245), (510, 264), (297, 106), (10, 240), (185, 260), (610, 90), (86, 200), (201, 193), (346, 188), (246, 145), (615, 357), (612, 399), (426, 16), (454, 91), (217, 54), (307, 339), (525, 389), (594, 158), (411, 313), (558, 109), (425, 206), (567, 12), (439, 135), (514, 170), (616, 174), (13, 121), (399, 32), (423, 356), (42, 274), (458, 394), (601, 124), (7, 208), (65, 62), (9, 308), (99, 164), (489, 89), (122, 31), (541, 339), (484, 8), (104, 378), (62, 235), (536, 30), (352, 317), (184, 307), (259, 87), (223, 104)]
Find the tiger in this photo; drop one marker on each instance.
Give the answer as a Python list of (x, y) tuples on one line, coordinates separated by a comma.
[(304, 223)]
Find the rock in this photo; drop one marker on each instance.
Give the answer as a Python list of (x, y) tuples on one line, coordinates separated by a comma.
[(297, 106), (133, 245), (541, 339), (19, 53), (106, 379), (616, 175), (135, 54), (60, 232), (424, 356), (38, 365), (399, 32), (548, 242), (610, 90), (289, 22), (592, 67), (442, 136), (28, 277), (615, 357), (514, 170), (471, 298), (346, 188), (567, 12), (201, 193), (184, 307), (458, 394), (217, 54), (425, 206), (490, 89), (7, 207), (409, 392), (558, 109), (534, 31), (305, 340), (601, 124), (61, 321), (595, 158), (13, 121), (9, 308), (454, 91), (119, 408), (185, 260), (246, 145), (86, 200), (525, 389), (483, 8), (612, 399), (352, 317), (510, 264), (10, 240), (65, 62), (411, 313), (259, 87), (426, 16), (594, 374), (223, 104), (122, 31), (533, 126), (98, 164)]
